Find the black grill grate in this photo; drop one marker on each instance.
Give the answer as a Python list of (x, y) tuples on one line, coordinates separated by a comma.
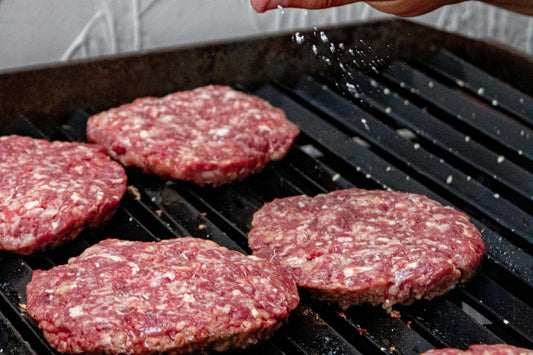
[(426, 128)]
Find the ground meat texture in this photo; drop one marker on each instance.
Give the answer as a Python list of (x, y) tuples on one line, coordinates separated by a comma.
[(357, 246), (184, 295), (50, 191), (483, 349), (211, 135)]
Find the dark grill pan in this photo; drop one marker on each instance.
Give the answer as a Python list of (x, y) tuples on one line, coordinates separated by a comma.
[(385, 105)]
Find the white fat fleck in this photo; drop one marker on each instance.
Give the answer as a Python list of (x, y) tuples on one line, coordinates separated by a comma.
[(75, 311), (108, 256), (78, 169), (236, 292), (353, 270), (144, 134), (31, 204), (219, 132), (170, 276), (255, 312), (188, 298), (134, 268)]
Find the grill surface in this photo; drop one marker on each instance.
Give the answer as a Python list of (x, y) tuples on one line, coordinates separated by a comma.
[(441, 127)]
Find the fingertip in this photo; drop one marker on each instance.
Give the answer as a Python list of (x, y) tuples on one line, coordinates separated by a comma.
[(265, 5)]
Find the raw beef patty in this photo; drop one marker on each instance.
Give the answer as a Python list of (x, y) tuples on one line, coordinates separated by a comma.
[(483, 349), (211, 135), (50, 191), (357, 246), (184, 295)]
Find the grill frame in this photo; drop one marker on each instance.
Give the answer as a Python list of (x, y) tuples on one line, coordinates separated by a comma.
[(55, 102)]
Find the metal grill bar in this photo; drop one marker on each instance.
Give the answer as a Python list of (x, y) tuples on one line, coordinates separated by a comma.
[(478, 82), (492, 124)]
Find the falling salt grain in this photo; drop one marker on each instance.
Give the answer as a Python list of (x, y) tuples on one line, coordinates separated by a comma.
[(388, 110), (335, 177), (315, 50), (494, 102), (480, 91), (467, 139), (299, 38), (373, 83), (496, 195), (501, 158), (363, 121), (386, 91), (449, 179), (332, 47), (323, 37), (505, 321), (460, 83), (416, 146), (430, 84)]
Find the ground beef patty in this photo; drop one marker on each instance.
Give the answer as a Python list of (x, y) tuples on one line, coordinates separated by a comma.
[(211, 135), (184, 295), (357, 246), (483, 349), (50, 191)]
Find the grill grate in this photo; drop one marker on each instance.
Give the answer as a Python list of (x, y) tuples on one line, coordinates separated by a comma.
[(461, 149)]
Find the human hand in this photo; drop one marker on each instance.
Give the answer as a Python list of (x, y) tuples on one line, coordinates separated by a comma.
[(404, 8)]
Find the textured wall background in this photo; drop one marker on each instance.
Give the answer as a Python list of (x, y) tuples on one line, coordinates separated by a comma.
[(34, 32)]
